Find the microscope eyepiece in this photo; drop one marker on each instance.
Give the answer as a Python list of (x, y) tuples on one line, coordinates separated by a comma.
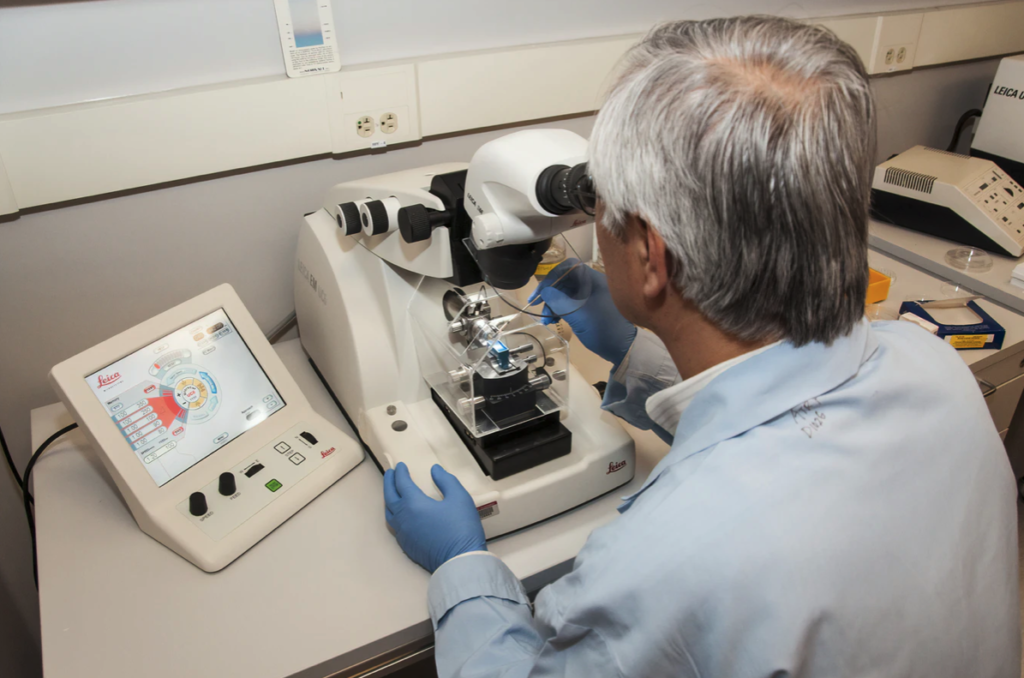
[(562, 189)]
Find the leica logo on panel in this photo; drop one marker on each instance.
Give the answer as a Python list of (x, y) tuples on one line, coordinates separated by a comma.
[(1011, 92), (326, 453), (108, 379), (615, 466)]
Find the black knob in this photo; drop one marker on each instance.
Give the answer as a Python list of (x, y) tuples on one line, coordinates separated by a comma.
[(375, 217), (226, 484), (414, 223), (348, 218), (197, 504)]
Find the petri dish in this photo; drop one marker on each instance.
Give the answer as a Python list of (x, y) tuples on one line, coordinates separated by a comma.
[(877, 312), (951, 289), (969, 259), (888, 273)]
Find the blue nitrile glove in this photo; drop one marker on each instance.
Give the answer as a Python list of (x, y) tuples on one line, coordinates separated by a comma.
[(597, 323), (431, 532)]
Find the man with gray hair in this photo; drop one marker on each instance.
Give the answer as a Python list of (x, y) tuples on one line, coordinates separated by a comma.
[(836, 500)]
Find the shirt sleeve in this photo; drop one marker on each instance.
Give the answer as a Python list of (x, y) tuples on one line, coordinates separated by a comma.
[(646, 369), (484, 626)]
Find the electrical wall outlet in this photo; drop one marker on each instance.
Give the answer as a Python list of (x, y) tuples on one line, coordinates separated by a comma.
[(378, 127), (365, 126), (372, 107), (895, 42)]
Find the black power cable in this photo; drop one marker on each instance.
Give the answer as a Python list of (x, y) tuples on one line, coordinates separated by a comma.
[(27, 496), (10, 462), (960, 124)]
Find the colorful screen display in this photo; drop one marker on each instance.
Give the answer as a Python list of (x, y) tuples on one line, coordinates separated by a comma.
[(186, 395)]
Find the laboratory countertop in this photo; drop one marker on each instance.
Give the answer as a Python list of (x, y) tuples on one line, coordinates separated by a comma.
[(911, 283), (929, 253), (327, 591)]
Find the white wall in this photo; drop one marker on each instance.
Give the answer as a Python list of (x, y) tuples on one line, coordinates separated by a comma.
[(57, 53)]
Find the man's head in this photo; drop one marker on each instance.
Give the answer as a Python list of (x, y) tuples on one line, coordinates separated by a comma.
[(743, 148)]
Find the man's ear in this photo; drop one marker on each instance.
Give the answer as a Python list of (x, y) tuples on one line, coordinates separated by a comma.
[(654, 260)]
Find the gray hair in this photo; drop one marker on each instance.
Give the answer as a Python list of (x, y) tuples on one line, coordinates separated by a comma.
[(748, 143)]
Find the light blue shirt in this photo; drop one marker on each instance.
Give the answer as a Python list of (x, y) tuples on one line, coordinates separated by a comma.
[(824, 511)]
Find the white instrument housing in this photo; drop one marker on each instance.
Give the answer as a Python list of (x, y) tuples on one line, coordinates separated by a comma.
[(969, 200), (276, 464), (501, 187), (998, 134), (356, 297)]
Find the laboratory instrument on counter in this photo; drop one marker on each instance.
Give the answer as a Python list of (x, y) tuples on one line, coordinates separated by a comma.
[(999, 136), (209, 439), (952, 196), (409, 303)]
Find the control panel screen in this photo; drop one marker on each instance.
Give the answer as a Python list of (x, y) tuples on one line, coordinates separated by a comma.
[(186, 395)]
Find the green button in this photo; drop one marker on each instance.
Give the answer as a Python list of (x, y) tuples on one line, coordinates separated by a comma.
[(273, 485)]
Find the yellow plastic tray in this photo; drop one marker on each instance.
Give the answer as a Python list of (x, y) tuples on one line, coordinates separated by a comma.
[(878, 286)]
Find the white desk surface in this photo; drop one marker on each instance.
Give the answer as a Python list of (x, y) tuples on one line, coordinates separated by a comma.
[(913, 284), (328, 590), (929, 253)]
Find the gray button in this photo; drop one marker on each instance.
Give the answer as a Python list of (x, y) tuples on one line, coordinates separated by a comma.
[(297, 458), (282, 447), (399, 425)]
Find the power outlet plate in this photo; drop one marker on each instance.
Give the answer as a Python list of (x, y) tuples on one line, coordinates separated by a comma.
[(360, 101), (365, 126), (372, 126), (895, 44)]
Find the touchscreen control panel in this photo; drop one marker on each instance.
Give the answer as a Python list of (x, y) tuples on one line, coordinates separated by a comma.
[(186, 395), (206, 433)]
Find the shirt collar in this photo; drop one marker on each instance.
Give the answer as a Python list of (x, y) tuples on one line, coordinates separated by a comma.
[(761, 388), (666, 406)]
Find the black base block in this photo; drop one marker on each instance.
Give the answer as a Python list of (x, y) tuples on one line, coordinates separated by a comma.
[(516, 448), (925, 217)]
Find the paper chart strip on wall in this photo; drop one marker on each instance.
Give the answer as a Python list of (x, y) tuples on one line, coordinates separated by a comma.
[(308, 38)]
